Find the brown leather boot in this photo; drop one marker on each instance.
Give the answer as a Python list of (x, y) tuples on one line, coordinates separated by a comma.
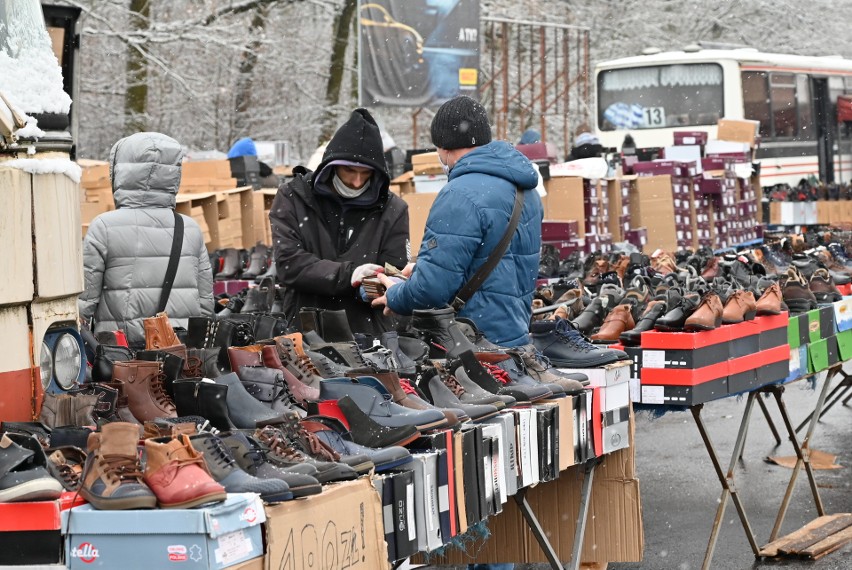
[(711, 269), (122, 405), (300, 390), (572, 300), (159, 332), (740, 306), (245, 356), (178, 476), (770, 302), (620, 266), (593, 279), (143, 384), (707, 316), (663, 262), (113, 471), (619, 319), (299, 364)]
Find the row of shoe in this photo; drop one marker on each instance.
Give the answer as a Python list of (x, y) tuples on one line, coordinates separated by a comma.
[(808, 191), (252, 265)]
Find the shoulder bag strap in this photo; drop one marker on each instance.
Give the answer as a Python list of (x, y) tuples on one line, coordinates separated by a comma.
[(174, 259), (475, 282)]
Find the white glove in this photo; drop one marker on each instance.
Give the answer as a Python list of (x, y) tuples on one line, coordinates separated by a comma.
[(366, 270)]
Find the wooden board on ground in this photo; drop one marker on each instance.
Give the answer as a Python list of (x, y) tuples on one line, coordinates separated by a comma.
[(816, 531)]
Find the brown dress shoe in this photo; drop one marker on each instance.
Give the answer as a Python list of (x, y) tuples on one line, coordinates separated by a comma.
[(707, 316), (663, 262), (770, 302), (711, 270), (740, 306), (618, 320)]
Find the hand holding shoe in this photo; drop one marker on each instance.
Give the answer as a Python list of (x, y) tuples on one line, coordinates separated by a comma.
[(366, 270)]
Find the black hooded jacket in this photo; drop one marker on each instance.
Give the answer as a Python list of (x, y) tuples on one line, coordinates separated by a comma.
[(319, 238)]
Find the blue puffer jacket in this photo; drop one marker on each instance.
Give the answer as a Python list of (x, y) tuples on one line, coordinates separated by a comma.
[(466, 222)]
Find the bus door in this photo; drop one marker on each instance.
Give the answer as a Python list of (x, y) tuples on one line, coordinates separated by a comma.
[(824, 121)]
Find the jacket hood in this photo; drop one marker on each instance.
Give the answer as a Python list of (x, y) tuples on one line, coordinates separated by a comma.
[(358, 140), (501, 159), (145, 171)]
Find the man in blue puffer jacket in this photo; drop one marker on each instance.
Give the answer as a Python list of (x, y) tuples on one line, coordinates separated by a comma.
[(467, 220)]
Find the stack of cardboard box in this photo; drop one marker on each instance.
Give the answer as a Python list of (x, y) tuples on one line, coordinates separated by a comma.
[(204, 176), (95, 191)]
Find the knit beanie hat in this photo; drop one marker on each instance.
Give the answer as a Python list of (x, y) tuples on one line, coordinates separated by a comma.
[(461, 122)]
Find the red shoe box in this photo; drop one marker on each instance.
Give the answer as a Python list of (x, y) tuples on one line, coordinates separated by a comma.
[(30, 533), (844, 289), (552, 230), (688, 138)]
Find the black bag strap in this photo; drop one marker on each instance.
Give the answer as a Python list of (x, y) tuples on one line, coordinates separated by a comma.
[(475, 282), (174, 259)]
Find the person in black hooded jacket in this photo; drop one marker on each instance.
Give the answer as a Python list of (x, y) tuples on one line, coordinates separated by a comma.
[(338, 224)]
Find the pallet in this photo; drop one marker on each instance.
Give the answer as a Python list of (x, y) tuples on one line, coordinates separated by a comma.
[(819, 537)]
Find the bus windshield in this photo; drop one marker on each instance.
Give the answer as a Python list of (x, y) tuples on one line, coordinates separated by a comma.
[(682, 95)]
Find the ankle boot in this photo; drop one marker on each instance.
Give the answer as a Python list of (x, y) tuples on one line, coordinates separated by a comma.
[(231, 265), (335, 326), (246, 411), (299, 389), (391, 382), (618, 320), (105, 358), (257, 261), (299, 366), (105, 408), (591, 317), (122, 404), (267, 385), (707, 316), (143, 386), (171, 365), (270, 273), (195, 397), (200, 332), (159, 332), (259, 299), (113, 470), (202, 363), (390, 340), (653, 311), (245, 356), (178, 476), (310, 320), (439, 330), (367, 432)]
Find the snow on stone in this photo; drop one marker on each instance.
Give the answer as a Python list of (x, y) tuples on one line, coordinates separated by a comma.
[(30, 75), (47, 166)]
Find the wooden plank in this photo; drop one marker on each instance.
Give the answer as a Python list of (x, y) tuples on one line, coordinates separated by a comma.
[(817, 534), (771, 550), (56, 215), (828, 544), (16, 235)]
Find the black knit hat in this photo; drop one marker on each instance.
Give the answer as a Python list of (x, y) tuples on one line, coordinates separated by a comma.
[(357, 140), (461, 122)]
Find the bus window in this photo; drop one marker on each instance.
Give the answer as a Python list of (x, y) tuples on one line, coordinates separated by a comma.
[(783, 102), (756, 101), (658, 96), (836, 88), (803, 97)]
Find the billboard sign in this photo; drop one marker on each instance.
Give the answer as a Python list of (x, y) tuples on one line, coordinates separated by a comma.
[(418, 53)]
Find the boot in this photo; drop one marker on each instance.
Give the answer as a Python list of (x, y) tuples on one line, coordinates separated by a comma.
[(677, 313), (566, 347), (245, 356), (335, 326), (473, 393), (122, 404), (653, 311), (107, 398), (299, 366), (539, 368), (591, 317), (618, 320), (267, 385), (143, 386), (253, 459), (257, 261), (392, 383), (231, 266), (405, 365), (796, 293), (440, 394), (200, 332), (171, 365), (823, 287), (440, 331), (178, 476), (711, 269), (159, 332), (223, 468), (195, 397), (332, 432), (309, 317), (65, 464), (740, 306), (298, 388), (497, 381), (770, 302), (113, 471), (270, 273), (259, 299), (24, 472), (367, 432), (707, 316), (246, 411)]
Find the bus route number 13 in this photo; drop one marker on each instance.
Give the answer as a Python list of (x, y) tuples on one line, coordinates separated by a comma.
[(654, 117)]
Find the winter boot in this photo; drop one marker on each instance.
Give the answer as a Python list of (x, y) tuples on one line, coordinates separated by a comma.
[(196, 397), (143, 385), (231, 265), (335, 326), (267, 386), (178, 476), (159, 332), (438, 328)]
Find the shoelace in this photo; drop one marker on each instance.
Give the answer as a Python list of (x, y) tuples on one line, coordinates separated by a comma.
[(71, 474), (279, 445), (454, 386), (407, 387), (194, 367), (159, 391), (572, 337), (498, 373), (121, 468), (220, 452)]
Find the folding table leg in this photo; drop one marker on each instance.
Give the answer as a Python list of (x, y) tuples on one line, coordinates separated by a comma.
[(726, 479), (802, 453), (535, 527), (583, 514), (769, 421), (846, 378)]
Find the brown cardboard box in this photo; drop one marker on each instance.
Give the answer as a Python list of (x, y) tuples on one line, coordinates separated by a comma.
[(418, 211), (738, 130), (341, 528), (564, 201), (205, 169), (95, 173), (258, 563), (426, 163), (405, 182), (824, 211), (614, 531), (89, 211), (775, 212), (652, 206)]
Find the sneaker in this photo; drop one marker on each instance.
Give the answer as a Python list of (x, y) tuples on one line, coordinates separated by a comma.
[(23, 471)]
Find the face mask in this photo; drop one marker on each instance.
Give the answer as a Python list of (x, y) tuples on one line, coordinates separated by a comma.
[(345, 191), (444, 167)]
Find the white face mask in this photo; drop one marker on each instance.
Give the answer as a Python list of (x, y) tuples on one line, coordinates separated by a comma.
[(445, 167), (345, 191)]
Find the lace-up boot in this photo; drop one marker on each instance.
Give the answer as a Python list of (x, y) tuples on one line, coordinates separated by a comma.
[(142, 382), (113, 478), (299, 365), (298, 388), (253, 459), (366, 431), (380, 408), (823, 287), (566, 347), (178, 476), (796, 293), (443, 396), (66, 464), (308, 447)]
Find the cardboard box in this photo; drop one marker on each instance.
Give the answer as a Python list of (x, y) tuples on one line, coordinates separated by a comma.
[(564, 201), (738, 130), (214, 537), (426, 163), (340, 528), (607, 375), (429, 183), (405, 183), (418, 211), (30, 533), (652, 207), (205, 169)]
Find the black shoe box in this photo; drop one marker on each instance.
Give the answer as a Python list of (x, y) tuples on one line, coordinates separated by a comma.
[(685, 395), (745, 339), (30, 533), (773, 330), (773, 372), (742, 381)]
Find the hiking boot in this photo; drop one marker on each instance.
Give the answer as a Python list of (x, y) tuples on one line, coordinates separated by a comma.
[(253, 458), (740, 306), (178, 476), (566, 347), (796, 293), (24, 474), (442, 395), (823, 287), (653, 311), (300, 367), (618, 320), (770, 302), (159, 332), (143, 384), (707, 316), (438, 328), (113, 471), (225, 471)]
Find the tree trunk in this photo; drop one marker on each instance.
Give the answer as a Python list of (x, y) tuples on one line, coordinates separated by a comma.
[(342, 27), (245, 80), (136, 97)]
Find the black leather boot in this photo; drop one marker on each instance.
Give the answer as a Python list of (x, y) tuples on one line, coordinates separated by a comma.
[(368, 433), (438, 328), (257, 261), (105, 358), (269, 273), (231, 267), (674, 319), (310, 321), (591, 317), (259, 299), (390, 340), (654, 311), (193, 397), (204, 362), (200, 332), (335, 326)]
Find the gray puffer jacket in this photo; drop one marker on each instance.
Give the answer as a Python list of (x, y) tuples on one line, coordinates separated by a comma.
[(126, 251)]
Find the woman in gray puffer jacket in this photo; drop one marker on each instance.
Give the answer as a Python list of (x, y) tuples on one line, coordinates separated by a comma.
[(126, 251)]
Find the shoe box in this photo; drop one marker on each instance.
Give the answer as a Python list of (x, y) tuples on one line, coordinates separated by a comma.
[(822, 354), (424, 502), (508, 448), (798, 364), (843, 314), (397, 492), (230, 287), (844, 344), (442, 443), (606, 375), (217, 537), (30, 533)]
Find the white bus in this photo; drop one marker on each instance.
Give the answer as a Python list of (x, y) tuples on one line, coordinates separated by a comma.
[(795, 98)]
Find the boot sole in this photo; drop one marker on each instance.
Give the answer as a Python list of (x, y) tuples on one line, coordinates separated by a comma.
[(395, 463), (590, 364), (800, 305), (45, 489), (124, 504), (604, 341), (434, 425), (196, 502), (305, 491), (483, 418)]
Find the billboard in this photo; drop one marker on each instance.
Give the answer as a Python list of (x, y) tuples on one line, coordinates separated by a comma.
[(417, 53)]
